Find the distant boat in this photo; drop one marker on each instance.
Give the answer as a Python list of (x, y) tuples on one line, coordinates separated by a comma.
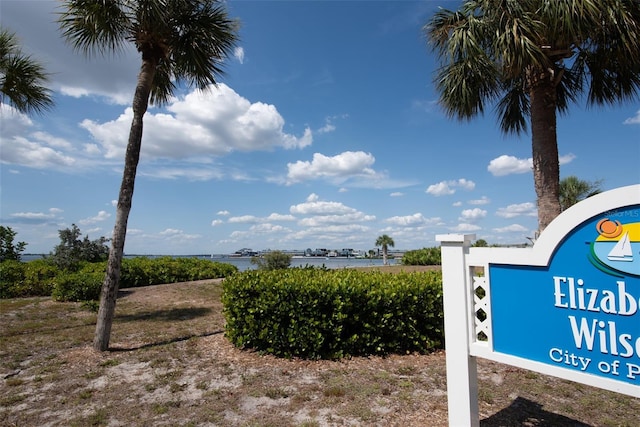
[(622, 250)]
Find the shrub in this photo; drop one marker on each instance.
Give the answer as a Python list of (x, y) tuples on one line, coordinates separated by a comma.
[(79, 286), (20, 279), (39, 277), (9, 250), (43, 277), (11, 278), (424, 256), (274, 260), (142, 271), (313, 313), (72, 251)]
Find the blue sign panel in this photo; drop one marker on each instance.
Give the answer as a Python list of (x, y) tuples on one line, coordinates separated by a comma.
[(582, 311)]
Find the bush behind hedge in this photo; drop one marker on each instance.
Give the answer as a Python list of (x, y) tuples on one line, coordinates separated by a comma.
[(424, 256), (43, 278), (23, 279), (320, 314)]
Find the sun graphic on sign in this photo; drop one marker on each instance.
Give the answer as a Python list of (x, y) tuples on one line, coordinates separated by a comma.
[(609, 229), (617, 248)]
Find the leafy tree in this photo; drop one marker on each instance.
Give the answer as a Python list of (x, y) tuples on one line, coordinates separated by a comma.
[(385, 242), (532, 59), (9, 250), (22, 78), (72, 249), (574, 190), (179, 41), (274, 260), (480, 243)]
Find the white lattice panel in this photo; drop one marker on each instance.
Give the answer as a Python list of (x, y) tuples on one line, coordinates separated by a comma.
[(481, 309)]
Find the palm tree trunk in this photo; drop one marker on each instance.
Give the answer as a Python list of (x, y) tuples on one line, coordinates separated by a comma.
[(112, 278), (546, 165)]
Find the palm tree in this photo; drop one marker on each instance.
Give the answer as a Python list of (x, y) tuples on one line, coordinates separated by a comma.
[(531, 59), (22, 78), (179, 41), (574, 190), (385, 241)]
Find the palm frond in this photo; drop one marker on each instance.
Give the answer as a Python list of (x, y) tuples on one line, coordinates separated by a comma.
[(96, 26), (163, 86), (22, 78), (514, 107), (203, 38)]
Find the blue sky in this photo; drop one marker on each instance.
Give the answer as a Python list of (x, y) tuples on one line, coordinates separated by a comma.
[(324, 133)]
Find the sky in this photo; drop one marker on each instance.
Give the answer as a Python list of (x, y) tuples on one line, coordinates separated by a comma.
[(324, 132)]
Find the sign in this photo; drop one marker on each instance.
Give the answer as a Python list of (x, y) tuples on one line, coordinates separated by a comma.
[(582, 311), (569, 306)]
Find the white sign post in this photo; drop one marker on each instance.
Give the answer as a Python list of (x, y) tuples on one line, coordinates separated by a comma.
[(569, 306), (462, 372)]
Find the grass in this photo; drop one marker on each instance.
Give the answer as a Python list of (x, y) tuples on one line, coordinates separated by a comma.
[(169, 364)]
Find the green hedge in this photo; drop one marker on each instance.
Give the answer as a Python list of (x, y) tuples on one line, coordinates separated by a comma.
[(79, 286), (143, 271), (43, 278), (320, 314), (23, 279)]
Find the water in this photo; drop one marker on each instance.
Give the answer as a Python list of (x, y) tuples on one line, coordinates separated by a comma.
[(244, 263)]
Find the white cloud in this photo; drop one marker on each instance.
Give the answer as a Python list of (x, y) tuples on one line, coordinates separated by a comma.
[(567, 158), (214, 122), (411, 220), (216, 222), (52, 216), (426, 106), (251, 219), (101, 216), (280, 217), (267, 228), (244, 219), (314, 206), (328, 123), (323, 215), (484, 200), (328, 127), (178, 236), (444, 188), (345, 218), (22, 151), (465, 227), (224, 213), (521, 209), (186, 172), (508, 165), (32, 215), (339, 168), (635, 120), (238, 53), (36, 149), (396, 194), (472, 215), (511, 229)]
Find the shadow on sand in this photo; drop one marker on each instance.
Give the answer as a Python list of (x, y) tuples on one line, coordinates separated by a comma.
[(168, 315), (524, 412), (117, 348)]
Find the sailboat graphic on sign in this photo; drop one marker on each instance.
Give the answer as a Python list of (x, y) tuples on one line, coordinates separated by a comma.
[(622, 250)]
